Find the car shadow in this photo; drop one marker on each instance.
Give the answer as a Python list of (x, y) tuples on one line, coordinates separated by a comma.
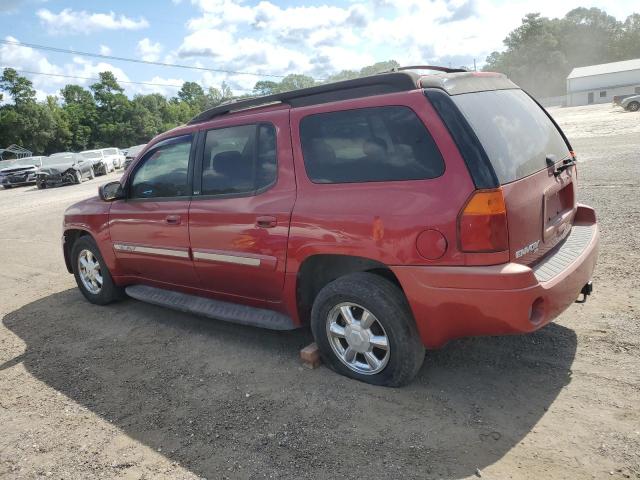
[(222, 398)]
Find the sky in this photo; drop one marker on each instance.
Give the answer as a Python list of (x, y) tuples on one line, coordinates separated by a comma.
[(258, 38)]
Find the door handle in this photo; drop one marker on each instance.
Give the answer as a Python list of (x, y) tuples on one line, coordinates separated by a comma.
[(266, 221), (172, 219)]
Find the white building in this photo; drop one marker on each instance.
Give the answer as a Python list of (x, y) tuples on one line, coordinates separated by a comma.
[(599, 83)]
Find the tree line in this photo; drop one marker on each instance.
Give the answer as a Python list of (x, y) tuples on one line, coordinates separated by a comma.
[(539, 55)]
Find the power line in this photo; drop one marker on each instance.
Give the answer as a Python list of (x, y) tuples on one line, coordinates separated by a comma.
[(97, 79), (134, 60)]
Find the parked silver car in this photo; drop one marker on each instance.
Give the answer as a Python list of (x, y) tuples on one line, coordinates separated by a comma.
[(631, 104), (131, 153), (21, 171)]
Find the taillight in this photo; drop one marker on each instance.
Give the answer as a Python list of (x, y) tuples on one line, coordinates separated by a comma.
[(575, 159), (482, 223)]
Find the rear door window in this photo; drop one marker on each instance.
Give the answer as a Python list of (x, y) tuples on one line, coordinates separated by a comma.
[(514, 131), (239, 160), (368, 145)]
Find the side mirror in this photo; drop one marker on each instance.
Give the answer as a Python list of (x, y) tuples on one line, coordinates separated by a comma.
[(111, 191)]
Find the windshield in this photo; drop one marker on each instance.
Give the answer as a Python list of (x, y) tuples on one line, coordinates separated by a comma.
[(58, 158), (91, 154), (27, 162), (515, 132), (7, 163), (111, 151)]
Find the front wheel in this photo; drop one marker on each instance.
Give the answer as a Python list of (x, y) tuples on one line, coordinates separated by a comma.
[(91, 273), (633, 107), (364, 329)]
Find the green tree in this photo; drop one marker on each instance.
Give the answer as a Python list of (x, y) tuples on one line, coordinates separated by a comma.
[(19, 88), (82, 116), (266, 87), (114, 113), (61, 136), (192, 94)]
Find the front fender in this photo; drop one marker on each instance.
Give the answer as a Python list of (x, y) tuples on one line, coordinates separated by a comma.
[(92, 216)]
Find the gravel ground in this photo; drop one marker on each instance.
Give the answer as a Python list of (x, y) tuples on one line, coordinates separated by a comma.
[(136, 391)]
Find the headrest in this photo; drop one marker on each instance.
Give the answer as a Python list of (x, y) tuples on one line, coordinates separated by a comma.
[(231, 164)]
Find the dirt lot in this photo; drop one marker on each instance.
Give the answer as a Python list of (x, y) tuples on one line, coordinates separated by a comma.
[(136, 391)]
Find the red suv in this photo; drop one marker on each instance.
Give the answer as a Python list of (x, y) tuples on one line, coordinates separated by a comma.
[(391, 213)]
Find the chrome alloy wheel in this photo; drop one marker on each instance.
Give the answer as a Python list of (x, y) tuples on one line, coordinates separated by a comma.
[(358, 338), (89, 271)]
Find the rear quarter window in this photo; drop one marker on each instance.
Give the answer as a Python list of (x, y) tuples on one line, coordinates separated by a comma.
[(368, 145), (515, 132)]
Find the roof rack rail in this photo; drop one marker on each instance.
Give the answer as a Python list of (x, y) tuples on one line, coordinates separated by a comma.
[(437, 68), (386, 82)]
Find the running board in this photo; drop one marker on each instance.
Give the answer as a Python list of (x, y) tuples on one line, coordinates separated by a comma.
[(206, 307)]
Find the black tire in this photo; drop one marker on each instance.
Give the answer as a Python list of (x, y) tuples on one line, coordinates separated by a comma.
[(633, 106), (7, 187), (41, 185), (109, 292), (389, 305)]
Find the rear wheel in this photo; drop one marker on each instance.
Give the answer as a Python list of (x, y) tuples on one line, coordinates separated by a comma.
[(364, 329), (40, 185), (91, 273), (633, 106), (7, 187)]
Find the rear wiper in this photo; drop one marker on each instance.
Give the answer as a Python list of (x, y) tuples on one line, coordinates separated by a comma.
[(566, 163)]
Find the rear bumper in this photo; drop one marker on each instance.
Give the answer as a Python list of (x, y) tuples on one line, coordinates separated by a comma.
[(453, 302)]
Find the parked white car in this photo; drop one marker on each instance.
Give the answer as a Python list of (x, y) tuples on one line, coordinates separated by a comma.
[(99, 163), (114, 157)]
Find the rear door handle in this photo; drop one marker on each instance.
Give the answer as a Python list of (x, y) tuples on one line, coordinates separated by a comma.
[(266, 221), (172, 219)]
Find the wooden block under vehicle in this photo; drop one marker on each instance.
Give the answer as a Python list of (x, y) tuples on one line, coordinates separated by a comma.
[(310, 356)]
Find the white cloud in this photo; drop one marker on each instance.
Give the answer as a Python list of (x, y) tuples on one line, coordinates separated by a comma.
[(105, 50), (85, 71), (267, 38), (160, 86), (70, 21), (148, 50)]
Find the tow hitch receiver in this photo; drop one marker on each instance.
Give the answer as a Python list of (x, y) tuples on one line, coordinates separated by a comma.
[(585, 292)]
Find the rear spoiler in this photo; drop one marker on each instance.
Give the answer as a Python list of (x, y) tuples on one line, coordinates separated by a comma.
[(467, 82)]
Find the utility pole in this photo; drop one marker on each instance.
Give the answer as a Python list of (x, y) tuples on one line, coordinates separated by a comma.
[(474, 65)]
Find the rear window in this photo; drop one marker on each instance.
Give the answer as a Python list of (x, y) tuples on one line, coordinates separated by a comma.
[(515, 132), (368, 145)]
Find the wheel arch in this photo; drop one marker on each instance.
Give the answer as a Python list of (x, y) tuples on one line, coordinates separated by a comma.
[(318, 270), (69, 237)]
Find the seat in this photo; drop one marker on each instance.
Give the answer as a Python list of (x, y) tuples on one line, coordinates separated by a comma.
[(232, 172)]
